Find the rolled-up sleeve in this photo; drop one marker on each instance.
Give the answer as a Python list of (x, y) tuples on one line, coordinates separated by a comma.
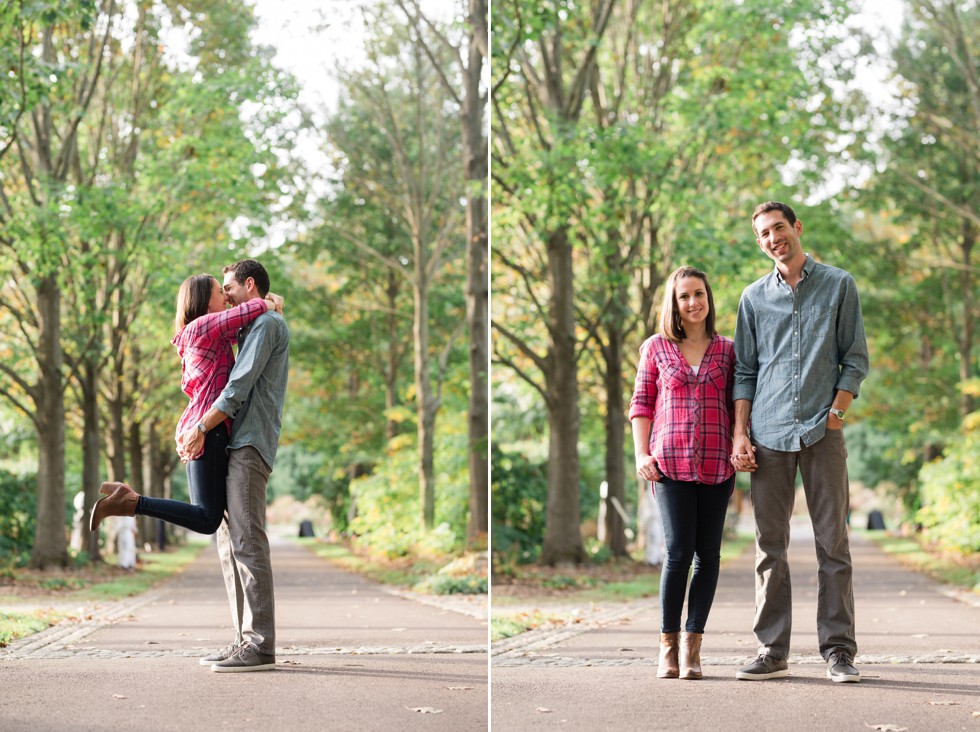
[(746, 352), (852, 344)]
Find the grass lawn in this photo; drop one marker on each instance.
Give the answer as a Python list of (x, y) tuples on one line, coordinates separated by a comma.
[(403, 572), (37, 600), (962, 570)]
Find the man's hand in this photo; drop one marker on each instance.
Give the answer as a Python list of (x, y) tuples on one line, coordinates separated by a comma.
[(190, 443), (743, 454), (834, 422), (646, 468)]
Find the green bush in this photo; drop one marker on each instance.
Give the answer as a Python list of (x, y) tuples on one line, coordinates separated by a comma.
[(441, 584), (519, 491), (18, 497), (950, 492)]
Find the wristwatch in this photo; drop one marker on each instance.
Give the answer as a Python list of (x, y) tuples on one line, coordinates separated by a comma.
[(202, 428), (838, 413)]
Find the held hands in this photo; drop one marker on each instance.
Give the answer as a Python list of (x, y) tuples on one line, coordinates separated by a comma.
[(743, 454), (646, 468), (274, 302), (190, 442)]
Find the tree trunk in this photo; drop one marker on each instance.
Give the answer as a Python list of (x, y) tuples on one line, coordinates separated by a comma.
[(134, 443), (477, 291), (615, 440), (562, 537), (425, 407), (91, 473), (51, 540), (394, 353), (967, 403)]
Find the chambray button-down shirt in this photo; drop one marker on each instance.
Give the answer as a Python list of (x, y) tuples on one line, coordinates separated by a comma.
[(794, 349), (256, 390)]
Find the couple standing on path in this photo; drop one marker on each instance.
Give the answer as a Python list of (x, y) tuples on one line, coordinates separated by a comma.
[(228, 436), (770, 403)]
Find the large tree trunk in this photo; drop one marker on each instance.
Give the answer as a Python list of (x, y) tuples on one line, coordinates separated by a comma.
[(562, 538), (393, 360), (51, 540), (968, 402), (425, 406), (475, 156), (90, 456), (615, 441)]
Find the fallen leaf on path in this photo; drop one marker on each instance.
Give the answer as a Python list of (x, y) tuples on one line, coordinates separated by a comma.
[(543, 710), (151, 643), (626, 649), (921, 635), (887, 727), (398, 630), (976, 714), (119, 696), (944, 704), (460, 688), (425, 710)]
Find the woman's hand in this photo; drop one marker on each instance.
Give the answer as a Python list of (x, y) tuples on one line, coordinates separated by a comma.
[(646, 468), (274, 302)]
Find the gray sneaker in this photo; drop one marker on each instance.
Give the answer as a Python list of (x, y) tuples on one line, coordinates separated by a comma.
[(764, 667), (245, 658), (219, 655), (840, 667)]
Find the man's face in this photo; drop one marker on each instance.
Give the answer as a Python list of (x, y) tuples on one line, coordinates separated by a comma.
[(777, 238), (235, 292)]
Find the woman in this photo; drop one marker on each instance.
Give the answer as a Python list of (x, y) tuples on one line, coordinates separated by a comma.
[(684, 391), (205, 331)]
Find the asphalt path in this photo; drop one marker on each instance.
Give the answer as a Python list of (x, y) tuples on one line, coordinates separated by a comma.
[(351, 655), (918, 653)]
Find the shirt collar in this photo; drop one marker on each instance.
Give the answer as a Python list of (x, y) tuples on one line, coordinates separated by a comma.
[(808, 266)]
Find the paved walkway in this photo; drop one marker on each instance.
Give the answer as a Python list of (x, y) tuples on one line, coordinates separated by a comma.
[(919, 655), (351, 654)]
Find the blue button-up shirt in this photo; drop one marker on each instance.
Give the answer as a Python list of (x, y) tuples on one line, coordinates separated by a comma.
[(256, 389), (794, 348)]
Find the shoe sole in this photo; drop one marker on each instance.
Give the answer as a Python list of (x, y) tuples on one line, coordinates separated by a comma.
[(242, 669), (843, 679), (762, 677), (212, 661)]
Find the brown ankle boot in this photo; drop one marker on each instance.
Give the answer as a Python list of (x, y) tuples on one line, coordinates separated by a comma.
[(109, 488), (667, 665), (691, 655), (122, 502)]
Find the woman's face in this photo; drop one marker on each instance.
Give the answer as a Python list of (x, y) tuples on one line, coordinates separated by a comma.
[(692, 301), (217, 302)]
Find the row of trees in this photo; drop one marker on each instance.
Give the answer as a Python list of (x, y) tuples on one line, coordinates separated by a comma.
[(631, 137), (138, 140)]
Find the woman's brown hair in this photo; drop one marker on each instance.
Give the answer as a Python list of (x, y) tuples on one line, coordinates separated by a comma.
[(193, 299), (670, 315)]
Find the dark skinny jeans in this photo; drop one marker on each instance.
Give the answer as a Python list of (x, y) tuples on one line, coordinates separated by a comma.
[(693, 516), (206, 478)]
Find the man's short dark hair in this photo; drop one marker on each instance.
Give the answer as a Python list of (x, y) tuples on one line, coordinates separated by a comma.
[(774, 206), (250, 268)]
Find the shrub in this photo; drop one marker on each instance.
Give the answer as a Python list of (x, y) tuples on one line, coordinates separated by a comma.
[(950, 492), (519, 494), (18, 496)]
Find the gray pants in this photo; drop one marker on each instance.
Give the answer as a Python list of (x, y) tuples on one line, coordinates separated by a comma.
[(823, 467), (243, 549)]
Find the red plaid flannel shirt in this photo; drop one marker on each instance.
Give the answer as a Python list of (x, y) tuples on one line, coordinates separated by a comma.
[(691, 416), (206, 357)]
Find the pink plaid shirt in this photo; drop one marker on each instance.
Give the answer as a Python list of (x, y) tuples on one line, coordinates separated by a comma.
[(691, 416), (204, 346)]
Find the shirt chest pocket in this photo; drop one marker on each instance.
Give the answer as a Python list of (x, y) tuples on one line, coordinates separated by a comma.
[(675, 376)]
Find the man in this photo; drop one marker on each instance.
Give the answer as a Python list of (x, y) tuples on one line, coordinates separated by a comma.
[(254, 399), (801, 356)]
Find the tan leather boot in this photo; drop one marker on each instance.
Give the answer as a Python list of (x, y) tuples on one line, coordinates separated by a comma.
[(109, 488), (122, 502), (667, 665), (691, 655)]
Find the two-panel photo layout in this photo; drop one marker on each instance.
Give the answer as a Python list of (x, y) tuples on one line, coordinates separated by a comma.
[(468, 366)]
